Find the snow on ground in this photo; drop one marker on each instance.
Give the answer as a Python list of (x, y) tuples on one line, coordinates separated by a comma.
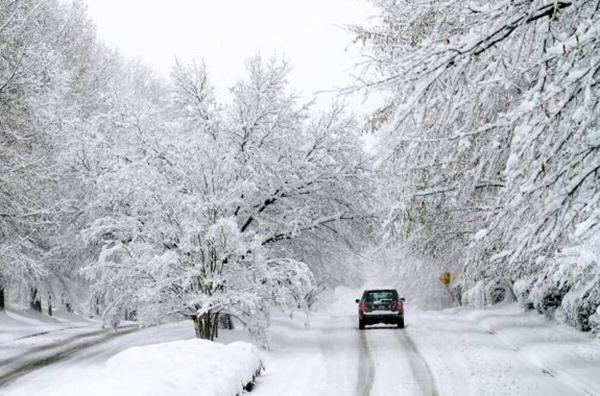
[(184, 368), (18, 325), (319, 359), (497, 351), (89, 361), (503, 350), (30, 339)]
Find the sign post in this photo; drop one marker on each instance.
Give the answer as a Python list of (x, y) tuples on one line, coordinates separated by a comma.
[(445, 279)]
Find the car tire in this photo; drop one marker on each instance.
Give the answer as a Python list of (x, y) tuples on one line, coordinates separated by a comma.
[(401, 323), (361, 324)]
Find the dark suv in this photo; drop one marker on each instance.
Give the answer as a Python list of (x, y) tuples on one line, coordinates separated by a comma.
[(380, 306)]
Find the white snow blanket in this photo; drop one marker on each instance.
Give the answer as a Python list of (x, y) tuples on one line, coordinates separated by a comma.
[(181, 368)]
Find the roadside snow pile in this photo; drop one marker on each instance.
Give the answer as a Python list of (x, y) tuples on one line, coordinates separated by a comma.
[(181, 368)]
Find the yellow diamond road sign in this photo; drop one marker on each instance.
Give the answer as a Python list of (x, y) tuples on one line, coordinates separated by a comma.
[(445, 278)]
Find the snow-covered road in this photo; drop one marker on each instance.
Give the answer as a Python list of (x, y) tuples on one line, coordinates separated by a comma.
[(498, 351), (501, 351), (333, 357)]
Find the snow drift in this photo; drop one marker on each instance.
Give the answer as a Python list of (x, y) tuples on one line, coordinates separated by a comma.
[(181, 368)]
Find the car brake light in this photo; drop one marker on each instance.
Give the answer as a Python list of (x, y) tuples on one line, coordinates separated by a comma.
[(362, 307), (400, 306)]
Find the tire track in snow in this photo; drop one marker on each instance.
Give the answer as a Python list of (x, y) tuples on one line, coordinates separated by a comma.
[(366, 368), (34, 351), (54, 353), (42, 333), (420, 368)]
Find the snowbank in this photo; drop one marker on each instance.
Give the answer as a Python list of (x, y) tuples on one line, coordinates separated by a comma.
[(181, 368)]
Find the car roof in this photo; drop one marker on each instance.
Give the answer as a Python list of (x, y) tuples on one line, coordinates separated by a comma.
[(380, 290)]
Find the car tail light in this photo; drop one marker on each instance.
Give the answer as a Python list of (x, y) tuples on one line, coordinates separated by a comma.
[(400, 306), (362, 307)]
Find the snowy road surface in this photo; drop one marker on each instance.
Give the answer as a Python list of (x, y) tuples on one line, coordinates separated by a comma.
[(500, 351)]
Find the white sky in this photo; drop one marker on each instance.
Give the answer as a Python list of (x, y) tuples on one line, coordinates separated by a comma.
[(225, 33)]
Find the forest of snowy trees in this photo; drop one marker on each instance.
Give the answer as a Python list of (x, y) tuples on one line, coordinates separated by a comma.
[(124, 194)]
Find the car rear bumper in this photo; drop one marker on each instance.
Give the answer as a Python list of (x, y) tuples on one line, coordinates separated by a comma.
[(387, 318)]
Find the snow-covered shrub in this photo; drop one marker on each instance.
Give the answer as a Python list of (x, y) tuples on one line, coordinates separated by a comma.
[(569, 287), (547, 292), (499, 290), (475, 296), (522, 289), (491, 292), (594, 321), (580, 265), (580, 303), (457, 293)]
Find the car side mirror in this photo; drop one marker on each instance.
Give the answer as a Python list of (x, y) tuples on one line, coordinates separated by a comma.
[(357, 301), (402, 299)]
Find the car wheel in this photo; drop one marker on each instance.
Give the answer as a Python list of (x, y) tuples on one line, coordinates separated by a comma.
[(401, 323), (361, 324)]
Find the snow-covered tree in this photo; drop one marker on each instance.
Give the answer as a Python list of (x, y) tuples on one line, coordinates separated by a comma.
[(34, 71), (208, 196), (490, 145)]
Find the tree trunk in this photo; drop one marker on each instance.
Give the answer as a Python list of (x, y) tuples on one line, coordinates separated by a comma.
[(206, 325), (2, 304), (36, 302), (49, 305), (196, 326), (216, 326), (97, 307), (226, 322)]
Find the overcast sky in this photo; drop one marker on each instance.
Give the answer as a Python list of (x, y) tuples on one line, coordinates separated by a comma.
[(309, 33)]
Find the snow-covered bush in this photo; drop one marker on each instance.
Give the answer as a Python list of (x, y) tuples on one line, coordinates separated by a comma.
[(522, 290), (547, 293), (490, 292), (580, 303), (474, 296), (580, 266), (570, 287), (499, 290), (594, 321)]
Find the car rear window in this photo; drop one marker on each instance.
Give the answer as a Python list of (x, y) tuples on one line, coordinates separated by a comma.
[(379, 295)]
